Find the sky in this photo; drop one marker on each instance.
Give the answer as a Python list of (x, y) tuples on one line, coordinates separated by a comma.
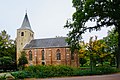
[(47, 17)]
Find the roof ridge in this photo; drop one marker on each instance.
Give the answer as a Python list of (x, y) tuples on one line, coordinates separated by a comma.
[(50, 38)]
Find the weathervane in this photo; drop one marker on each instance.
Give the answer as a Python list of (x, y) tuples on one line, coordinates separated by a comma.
[(26, 10)]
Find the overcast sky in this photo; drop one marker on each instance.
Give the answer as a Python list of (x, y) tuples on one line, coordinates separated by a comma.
[(47, 17)]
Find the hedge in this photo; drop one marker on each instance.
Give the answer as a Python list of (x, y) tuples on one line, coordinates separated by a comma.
[(59, 71)]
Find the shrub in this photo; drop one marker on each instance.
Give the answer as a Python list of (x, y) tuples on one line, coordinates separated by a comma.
[(106, 69), (20, 74), (40, 71), (49, 71), (2, 78)]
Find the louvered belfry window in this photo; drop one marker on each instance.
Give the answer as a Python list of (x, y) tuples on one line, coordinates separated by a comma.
[(22, 33)]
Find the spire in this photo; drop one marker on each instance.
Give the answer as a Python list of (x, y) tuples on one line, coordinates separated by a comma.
[(26, 23)]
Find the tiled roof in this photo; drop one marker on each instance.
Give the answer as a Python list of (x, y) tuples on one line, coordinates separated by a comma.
[(47, 43), (26, 23)]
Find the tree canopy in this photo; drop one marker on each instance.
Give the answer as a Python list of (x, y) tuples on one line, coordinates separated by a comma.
[(7, 51), (22, 60), (111, 41), (7, 45), (104, 13)]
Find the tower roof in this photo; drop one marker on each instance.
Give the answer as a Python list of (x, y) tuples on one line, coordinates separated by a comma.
[(26, 23)]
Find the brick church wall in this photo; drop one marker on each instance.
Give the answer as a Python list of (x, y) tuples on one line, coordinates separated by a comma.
[(50, 57)]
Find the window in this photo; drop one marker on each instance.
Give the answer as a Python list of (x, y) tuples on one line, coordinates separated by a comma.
[(30, 55), (43, 55), (58, 55), (32, 35), (22, 33)]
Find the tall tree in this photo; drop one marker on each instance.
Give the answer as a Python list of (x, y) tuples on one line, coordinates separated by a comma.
[(82, 53), (7, 50), (111, 41), (7, 45), (104, 12), (97, 51)]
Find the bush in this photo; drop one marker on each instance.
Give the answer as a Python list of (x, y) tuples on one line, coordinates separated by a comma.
[(2, 78), (59, 71), (44, 71), (49, 71), (20, 74), (106, 69)]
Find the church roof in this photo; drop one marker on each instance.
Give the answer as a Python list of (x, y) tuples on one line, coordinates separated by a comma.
[(47, 43), (26, 23)]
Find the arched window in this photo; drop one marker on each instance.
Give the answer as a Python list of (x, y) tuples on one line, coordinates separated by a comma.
[(72, 56), (30, 55), (43, 55), (58, 55), (22, 33)]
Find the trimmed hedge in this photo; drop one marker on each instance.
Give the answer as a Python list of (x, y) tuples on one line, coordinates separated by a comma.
[(59, 71), (49, 71)]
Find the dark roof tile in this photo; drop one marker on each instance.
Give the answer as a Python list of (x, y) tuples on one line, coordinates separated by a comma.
[(47, 43)]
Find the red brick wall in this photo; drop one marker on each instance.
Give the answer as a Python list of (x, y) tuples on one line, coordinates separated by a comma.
[(50, 57)]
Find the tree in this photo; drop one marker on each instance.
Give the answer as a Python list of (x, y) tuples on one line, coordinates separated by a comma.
[(103, 12), (82, 61), (82, 53), (7, 50), (94, 51), (111, 41), (22, 60), (7, 45), (97, 52), (6, 63)]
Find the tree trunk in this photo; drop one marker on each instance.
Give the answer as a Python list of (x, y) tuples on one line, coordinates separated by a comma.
[(118, 49)]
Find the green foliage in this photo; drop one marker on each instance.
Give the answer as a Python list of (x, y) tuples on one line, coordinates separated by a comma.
[(98, 71), (20, 74), (106, 69), (7, 45), (44, 71), (59, 71), (82, 61), (5, 60), (2, 78), (22, 60), (49, 71), (7, 51), (6, 63), (103, 13), (111, 41), (97, 51), (94, 52)]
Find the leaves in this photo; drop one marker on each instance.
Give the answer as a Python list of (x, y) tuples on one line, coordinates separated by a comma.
[(95, 51), (104, 13), (112, 41), (7, 51), (23, 60)]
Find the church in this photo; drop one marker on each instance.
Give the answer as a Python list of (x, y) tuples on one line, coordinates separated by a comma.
[(47, 51)]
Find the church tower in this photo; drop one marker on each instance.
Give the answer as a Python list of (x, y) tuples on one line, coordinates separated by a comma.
[(24, 36)]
